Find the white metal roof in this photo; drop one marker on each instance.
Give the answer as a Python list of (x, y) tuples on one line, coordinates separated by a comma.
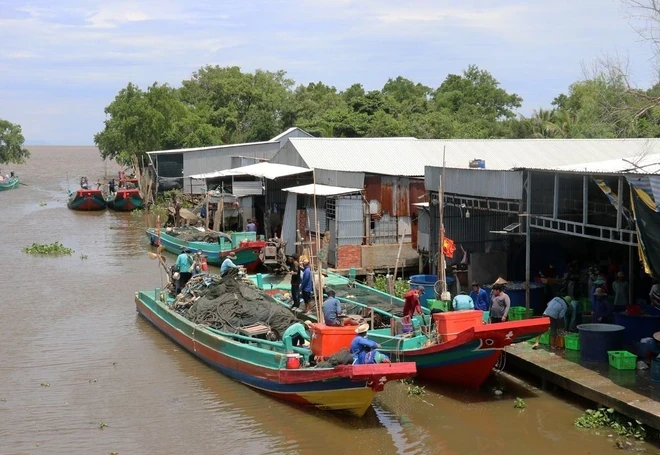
[(267, 170), (208, 175), (289, 131), (408, 156), (321, 190), (212, 147), (644, 164)]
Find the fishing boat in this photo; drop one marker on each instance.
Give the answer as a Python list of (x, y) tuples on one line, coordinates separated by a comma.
[(86, 200), (461, 352), (264, 366), (10, 183), (128, 197), (244, 244)]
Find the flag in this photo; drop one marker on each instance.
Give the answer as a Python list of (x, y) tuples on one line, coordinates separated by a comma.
[(448, 247)]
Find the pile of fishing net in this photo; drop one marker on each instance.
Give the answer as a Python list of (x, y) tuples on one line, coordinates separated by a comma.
[(230, 303), (343, 357), (193, 234)]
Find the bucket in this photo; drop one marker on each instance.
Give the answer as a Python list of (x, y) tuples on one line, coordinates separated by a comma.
[(292, 361), (428, 282), (655, 370), (597, 339)]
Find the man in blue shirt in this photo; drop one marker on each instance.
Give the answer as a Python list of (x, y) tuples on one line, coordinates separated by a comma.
[(183, 265), (480, 297), (333, 314), (364, 350), (462, 302), (251, 226), (307, 286), (228, 263)]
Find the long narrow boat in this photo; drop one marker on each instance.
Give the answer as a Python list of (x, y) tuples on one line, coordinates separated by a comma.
[(125, 200), (86, 200), (464, 358), (262, 365), (244, 244), (9, 184)]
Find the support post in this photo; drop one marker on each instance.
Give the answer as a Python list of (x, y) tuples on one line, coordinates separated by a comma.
[(585, 200), (528, 241), (619, 203), (630, 274), (555, 199)]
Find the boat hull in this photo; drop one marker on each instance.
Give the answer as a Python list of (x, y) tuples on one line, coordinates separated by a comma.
[(247, 254), (86, 200), (345, 388), (13, 183), (125, 200)]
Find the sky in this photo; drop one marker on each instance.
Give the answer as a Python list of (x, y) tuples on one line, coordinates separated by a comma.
[(62, 62)]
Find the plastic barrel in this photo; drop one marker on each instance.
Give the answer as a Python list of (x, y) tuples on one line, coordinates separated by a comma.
[(428, 282), (655, 370), (597, 339), (637, 327)]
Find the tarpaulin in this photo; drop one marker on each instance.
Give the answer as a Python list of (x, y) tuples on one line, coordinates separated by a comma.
[(649, 184), (648, 230), (613, 198)]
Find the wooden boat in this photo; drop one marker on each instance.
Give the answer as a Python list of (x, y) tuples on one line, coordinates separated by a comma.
[(10, 184), (125, 200), (262, 364), (86, 200), (244, 244), (463, 357)]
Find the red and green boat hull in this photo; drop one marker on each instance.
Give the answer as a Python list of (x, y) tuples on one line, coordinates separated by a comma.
[(247, 253), (86, 200), (347, 387), (125, 200)]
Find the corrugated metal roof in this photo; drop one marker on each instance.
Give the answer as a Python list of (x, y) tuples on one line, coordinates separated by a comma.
[(289, 131), (321, 190), (408, 156), (644, 164), (212, 147)]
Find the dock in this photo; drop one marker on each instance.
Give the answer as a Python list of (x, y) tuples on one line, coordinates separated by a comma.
[(629, 392)]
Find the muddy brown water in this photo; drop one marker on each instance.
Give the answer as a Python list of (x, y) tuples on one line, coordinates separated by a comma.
[(74, 354)]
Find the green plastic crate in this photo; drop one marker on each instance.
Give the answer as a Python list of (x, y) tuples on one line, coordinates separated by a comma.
[(518, 313), (545, 338), (572, 342), (622, 360), (434, 304)]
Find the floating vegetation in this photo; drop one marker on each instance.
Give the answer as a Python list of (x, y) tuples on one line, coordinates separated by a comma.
[(519, 403), (52, 249), (83, 256), (102, 425), (608, 417), (43, 204), (45, 384)]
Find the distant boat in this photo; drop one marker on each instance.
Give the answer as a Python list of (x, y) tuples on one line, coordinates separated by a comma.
[(263, 365), (9, 184), (244, 244), (86, 200), (126, 198)]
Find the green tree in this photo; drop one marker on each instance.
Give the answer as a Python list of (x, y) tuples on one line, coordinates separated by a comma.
[(11, 143)]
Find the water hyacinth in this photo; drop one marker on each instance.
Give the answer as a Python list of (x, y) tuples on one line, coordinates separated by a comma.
[(51, 249)]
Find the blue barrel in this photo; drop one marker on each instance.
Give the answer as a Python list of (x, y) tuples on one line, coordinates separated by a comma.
[(597, 339), (655, 370), (637, 327), (428, 282)]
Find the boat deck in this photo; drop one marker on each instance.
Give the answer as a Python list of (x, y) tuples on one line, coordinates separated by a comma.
[(631, 393)]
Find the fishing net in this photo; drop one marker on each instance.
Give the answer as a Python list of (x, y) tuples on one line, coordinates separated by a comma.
[(230, 303), (192, 234), (343, 357)]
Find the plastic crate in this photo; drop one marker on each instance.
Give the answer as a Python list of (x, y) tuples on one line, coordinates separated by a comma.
[(518, 313), (622, 360), (572, 341), (434, 304), (545, 338), (585, 305)]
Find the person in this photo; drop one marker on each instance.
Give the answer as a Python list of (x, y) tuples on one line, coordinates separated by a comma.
[(598, 282), (307, 286), (364, 350), (183, 266), (251, 226), (111, 186), (295, 285), (228, 263), (98, 184), (480, 297), (573, 316), (296, 334), (202, 212), (500, 304), (83, 183), (204, 263), (333, 313), (654, 294), (556, 311), (603, 308), (462, 302), (197, 263), (412, 305), (620, 289)]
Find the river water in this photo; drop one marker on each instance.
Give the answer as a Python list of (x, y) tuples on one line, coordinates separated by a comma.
[(75, 356)]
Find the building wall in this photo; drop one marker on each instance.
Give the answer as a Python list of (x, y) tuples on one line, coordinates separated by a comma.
[(476, 182)]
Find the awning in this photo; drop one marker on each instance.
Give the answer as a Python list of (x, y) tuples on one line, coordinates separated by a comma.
[(321, 190), (270, 171), (421, 204), (209, 175)]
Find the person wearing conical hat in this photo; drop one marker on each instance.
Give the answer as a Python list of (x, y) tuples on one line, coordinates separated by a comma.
[(364, 350), (604, 308)]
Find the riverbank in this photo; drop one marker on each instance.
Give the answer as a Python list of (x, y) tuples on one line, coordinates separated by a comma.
[(604, 386)]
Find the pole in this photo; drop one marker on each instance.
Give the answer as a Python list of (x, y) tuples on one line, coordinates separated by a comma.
[(528, 241), (441, 254), (208, 211)]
